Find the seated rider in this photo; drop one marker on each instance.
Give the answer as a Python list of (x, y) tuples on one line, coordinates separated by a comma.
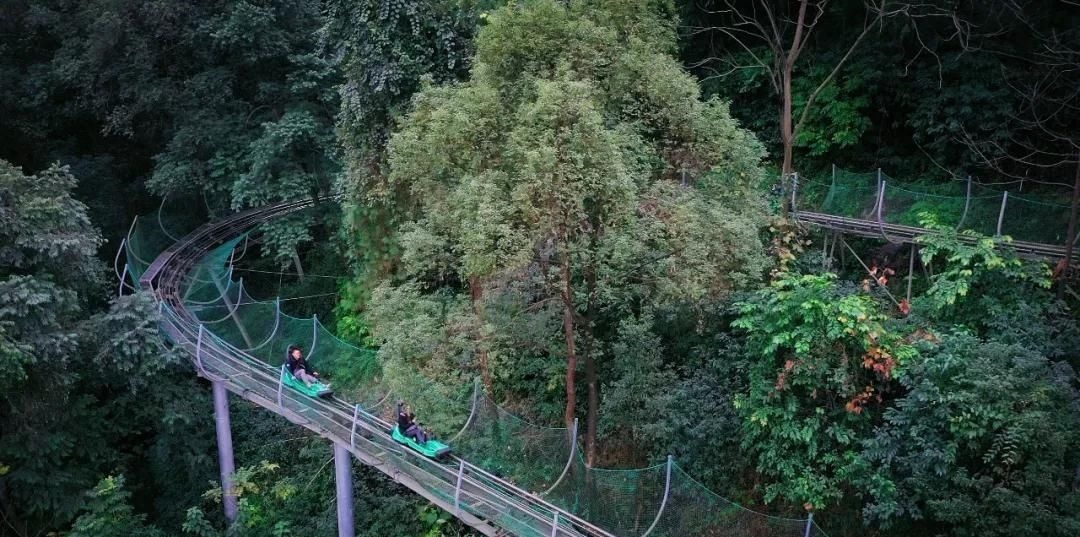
[(406, 421), (300, 368)]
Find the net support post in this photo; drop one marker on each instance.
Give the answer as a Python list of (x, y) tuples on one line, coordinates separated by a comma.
[(457, 487), (880, 199), (198, 351), (123, 276), (809, 525), (667, 493), (967, 204), (344, 485), (794, 190), (1001, 212), (225, 448), (116, 261), (472, 411), (825, 251), (569, 460), (555, 524), (880, 207), (232, 308), (314, 333)]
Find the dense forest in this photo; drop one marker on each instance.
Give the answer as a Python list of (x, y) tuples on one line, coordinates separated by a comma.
[(584, 207)]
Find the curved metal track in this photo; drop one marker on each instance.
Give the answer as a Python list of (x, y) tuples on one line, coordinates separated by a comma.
[(491, 505)]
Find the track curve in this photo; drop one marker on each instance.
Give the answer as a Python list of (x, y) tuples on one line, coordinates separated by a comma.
[(489, 504)]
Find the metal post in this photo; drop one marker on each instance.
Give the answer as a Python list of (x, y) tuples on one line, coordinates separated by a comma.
[(314, 333), (809, 525), (232, 308), (569, 460), (198, 351), (475, 400), (794, 189), (343, 465), (225, 448), (1001, 213), (352, 430), (663, 502), (967, 204), (824, 251), (880, 199), (123, 276), (555, 525), (457, 488), (119, 251), (880, 207)]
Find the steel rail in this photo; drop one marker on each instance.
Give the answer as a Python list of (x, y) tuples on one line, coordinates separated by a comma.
[(908, 234), (493, 505)]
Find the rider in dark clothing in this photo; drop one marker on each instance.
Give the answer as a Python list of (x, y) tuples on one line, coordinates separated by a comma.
[(406, 421), (299, 367)]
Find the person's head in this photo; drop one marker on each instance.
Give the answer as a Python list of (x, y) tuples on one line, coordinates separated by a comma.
[(295, 352)]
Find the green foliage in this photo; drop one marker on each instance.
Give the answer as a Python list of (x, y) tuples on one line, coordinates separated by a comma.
[(982, 278), (109, 514), (823, 358), (386, 48), (48, 271), (839, 118), (983, 443), (579, 176), (87, 392)]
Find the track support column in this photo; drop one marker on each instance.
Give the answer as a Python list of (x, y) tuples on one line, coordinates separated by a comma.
[(225, 448), (343, 466)]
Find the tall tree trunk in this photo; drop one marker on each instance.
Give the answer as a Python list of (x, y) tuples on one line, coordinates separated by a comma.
[(787, 126), (1070, 236), (568, 334), (786, 134), (590, 368), (787, 137), (476, 292)]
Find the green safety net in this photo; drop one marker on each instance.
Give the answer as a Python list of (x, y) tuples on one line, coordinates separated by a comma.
[(660, 500), (531, 456), (962, 205)]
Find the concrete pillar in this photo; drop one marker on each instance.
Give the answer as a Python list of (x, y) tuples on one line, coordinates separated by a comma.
[(343, 467), (225, 449)]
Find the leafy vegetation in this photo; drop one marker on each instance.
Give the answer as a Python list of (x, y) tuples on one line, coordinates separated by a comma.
[(572, 201)]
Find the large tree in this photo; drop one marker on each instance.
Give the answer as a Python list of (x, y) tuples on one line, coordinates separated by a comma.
[(578, 174)]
